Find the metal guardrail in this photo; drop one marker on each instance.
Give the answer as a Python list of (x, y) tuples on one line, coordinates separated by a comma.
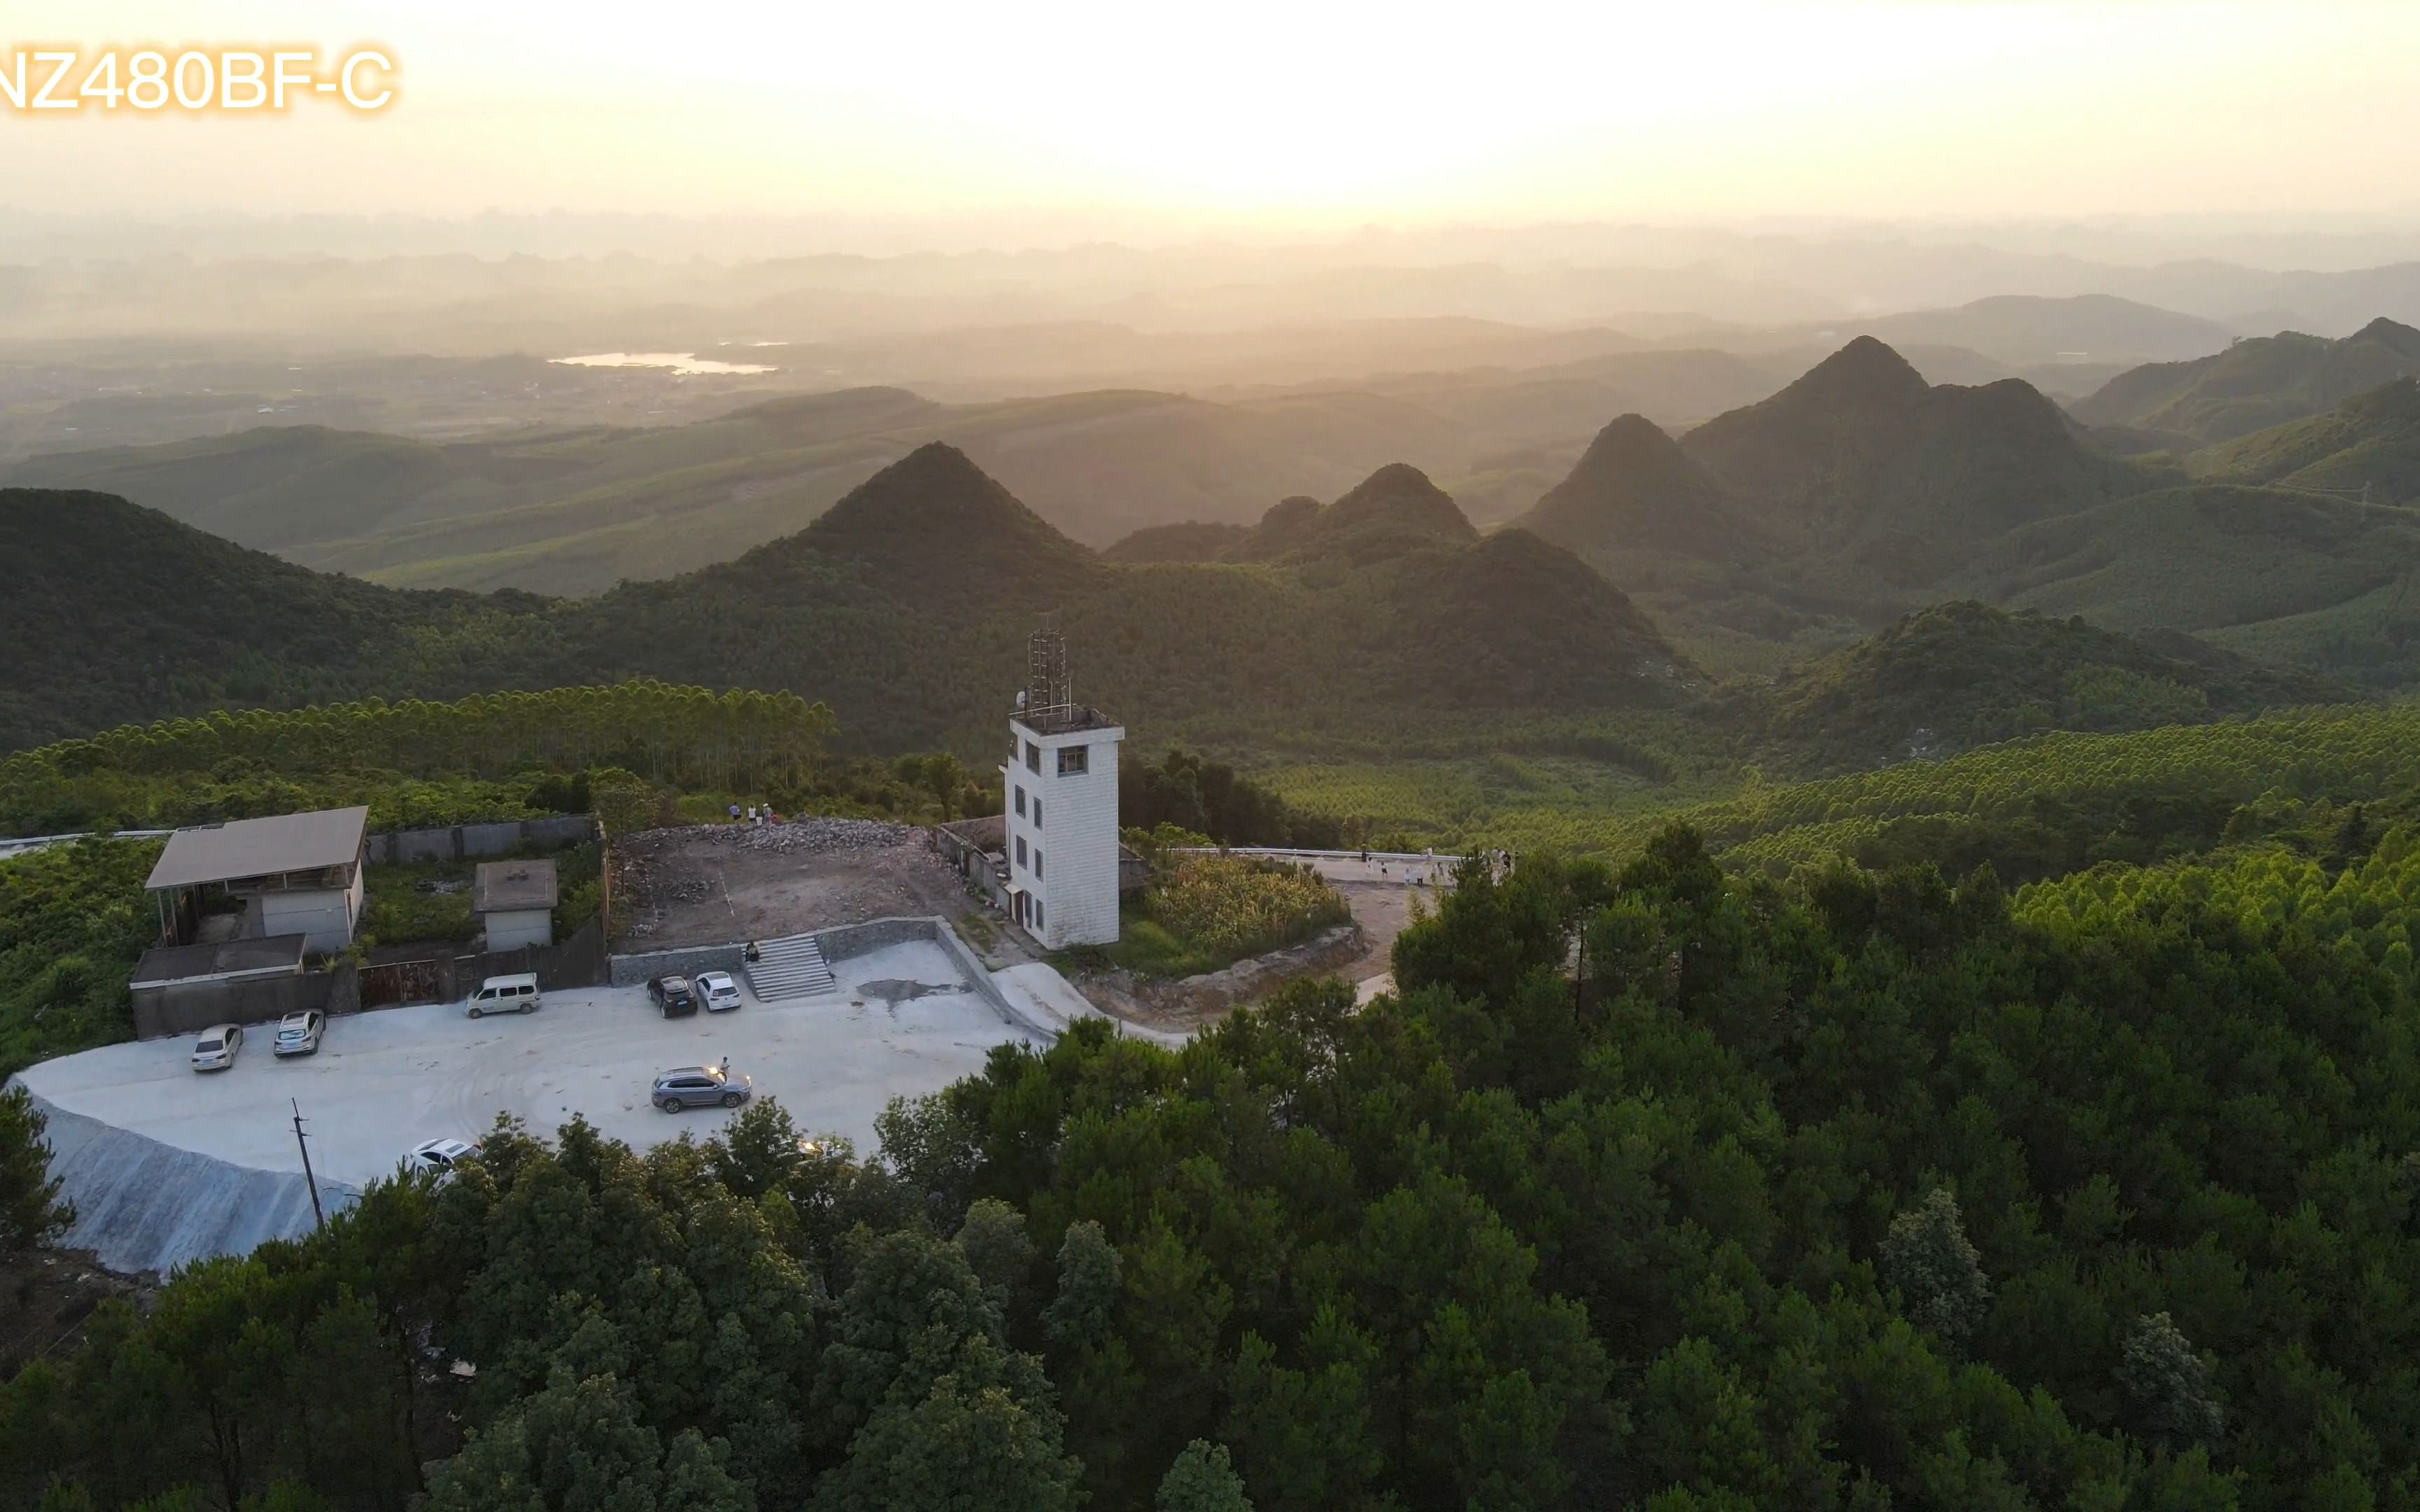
[(27, 844), (1315, 855)]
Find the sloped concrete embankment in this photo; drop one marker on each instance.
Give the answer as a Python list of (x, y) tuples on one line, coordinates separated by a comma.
[(143, 1205)]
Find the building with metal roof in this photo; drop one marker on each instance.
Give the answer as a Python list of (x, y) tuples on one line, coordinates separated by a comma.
[(295, 874)]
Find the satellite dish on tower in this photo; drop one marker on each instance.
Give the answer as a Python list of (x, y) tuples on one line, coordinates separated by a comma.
[(1021, 700)]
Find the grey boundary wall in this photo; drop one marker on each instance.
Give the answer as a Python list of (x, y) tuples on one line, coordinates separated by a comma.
[(461, 842), (146, 1207)]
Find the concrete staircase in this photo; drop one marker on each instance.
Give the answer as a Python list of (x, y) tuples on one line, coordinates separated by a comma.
[(789, 968)]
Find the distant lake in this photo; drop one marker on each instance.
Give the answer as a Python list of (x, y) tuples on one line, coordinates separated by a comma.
[(679, 361)]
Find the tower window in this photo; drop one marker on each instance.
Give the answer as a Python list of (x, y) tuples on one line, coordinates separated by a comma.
[(1037, 863), (1032, 757), (1037, 914), (1021, 803), (1075, 760), (1038, 814), (1020, 850)]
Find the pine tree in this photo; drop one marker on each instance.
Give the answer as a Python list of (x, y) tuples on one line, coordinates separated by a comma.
[(1202, 1479), (1938, 1273), (2169, 1385)]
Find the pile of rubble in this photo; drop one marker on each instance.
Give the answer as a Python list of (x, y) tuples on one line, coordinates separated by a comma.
[(809, 835)]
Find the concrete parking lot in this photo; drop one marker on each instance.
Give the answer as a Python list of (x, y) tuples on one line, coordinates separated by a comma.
[(902, 1023)]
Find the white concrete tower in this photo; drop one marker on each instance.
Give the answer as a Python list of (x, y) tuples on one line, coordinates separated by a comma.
[(1061, 783)]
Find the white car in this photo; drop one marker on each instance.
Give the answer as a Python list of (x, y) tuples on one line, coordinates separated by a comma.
[(438, 1155), (717, 991), (214, 1048), (298, 1034)]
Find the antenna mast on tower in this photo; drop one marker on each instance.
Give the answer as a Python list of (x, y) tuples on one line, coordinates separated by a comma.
[(1048, 698)]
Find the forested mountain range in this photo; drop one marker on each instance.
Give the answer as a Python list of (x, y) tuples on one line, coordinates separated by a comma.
[(906, 607), (1860, 493), (1856, 494), (575, 510), (1495, 413)]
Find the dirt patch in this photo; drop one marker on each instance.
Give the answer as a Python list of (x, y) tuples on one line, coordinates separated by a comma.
[(1382, 909), (47, 1298), (715, 883)]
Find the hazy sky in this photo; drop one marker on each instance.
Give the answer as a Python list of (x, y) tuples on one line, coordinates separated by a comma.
[(1293, 112)]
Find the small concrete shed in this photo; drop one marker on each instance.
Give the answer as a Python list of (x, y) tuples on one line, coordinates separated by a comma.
[(515, 901)]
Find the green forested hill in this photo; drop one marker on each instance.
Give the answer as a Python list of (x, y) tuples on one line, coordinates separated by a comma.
[(1965, 674), (117, 612), (917, 638), (2316, 778), (2207, 558), (1393, 511), (2254, 384), (906, 607), (2369, 442), (1637, 500), (1862, 459), (1191, 540)]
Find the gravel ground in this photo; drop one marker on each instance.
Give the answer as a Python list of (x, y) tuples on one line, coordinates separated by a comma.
[(712, 883)]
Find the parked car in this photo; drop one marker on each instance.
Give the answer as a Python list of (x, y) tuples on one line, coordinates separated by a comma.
[(215, 1048), (701, 1087), (439, 1155), (721, 993), (673, 997), (516, 994), (298, 1033)]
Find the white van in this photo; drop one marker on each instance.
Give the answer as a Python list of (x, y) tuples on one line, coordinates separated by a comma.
[(516, 993)]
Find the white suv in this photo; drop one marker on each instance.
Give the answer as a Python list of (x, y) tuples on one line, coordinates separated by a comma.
[(440, 1155)]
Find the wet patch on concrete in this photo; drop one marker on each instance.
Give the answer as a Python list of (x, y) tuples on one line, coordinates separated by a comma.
[(894, 991)]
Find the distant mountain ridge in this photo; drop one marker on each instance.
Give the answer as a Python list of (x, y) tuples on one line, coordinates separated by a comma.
[(1861, 455), (2254, 383), (2027, 328), (1859, 493)]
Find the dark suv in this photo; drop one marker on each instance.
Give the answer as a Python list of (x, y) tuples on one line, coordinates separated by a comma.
[(672, 997)]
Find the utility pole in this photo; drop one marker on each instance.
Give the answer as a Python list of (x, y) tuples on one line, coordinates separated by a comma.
[(308, 1179)]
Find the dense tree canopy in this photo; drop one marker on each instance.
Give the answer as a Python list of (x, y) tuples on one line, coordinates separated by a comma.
[(1651, 1186)]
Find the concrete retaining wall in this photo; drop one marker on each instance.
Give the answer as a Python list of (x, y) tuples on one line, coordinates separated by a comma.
[(632, 970), (143, 1205), (1256, 977)]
